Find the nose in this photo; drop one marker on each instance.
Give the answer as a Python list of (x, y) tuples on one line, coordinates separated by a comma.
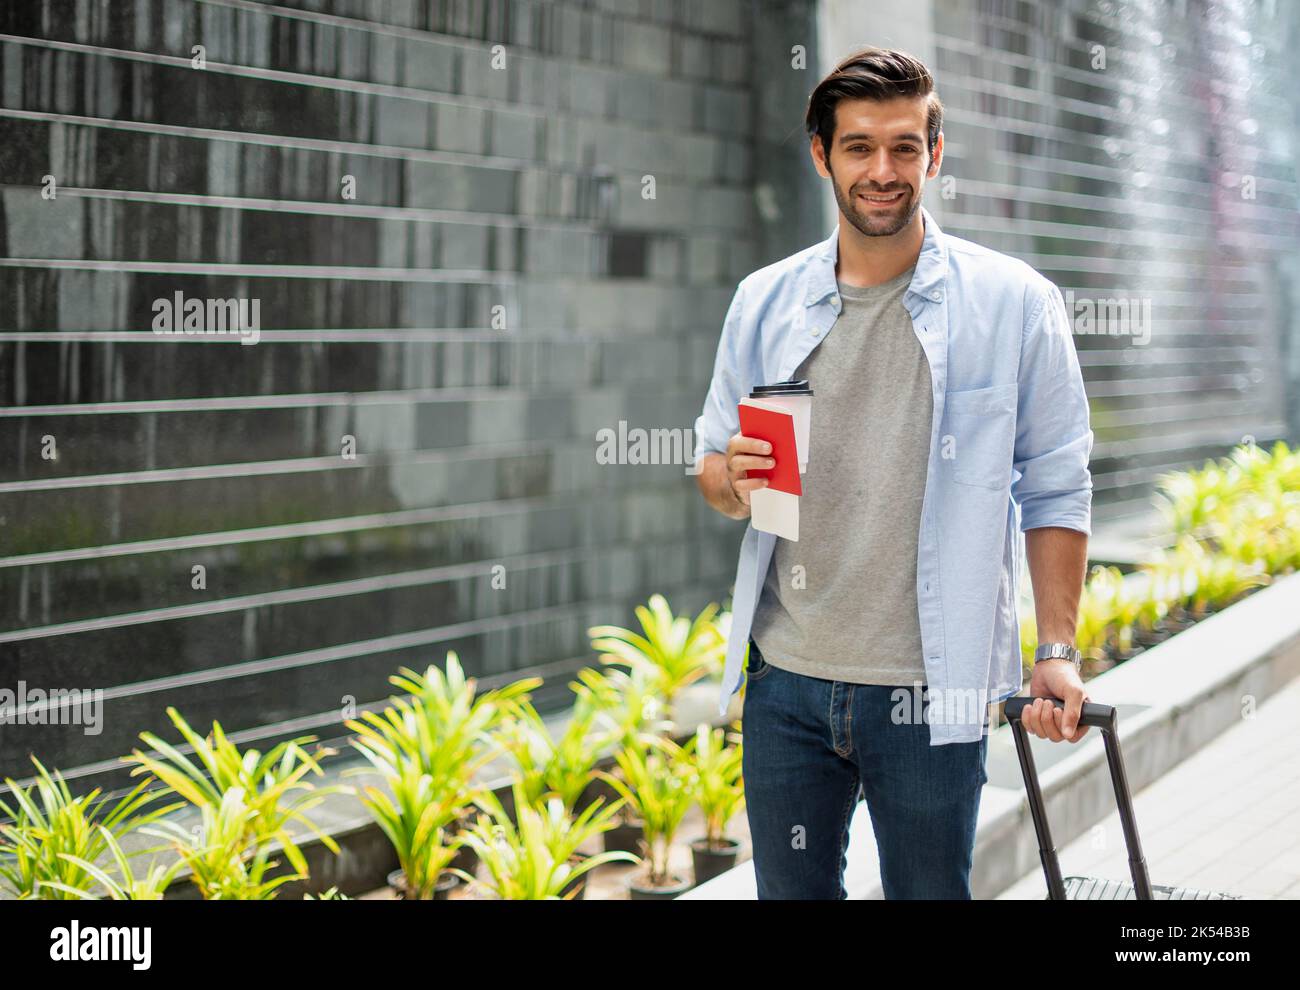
[(880, 167)]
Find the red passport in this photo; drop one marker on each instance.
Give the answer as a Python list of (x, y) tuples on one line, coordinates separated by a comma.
[(777, 428)]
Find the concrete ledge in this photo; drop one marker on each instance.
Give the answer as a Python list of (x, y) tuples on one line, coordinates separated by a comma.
[(1173, 699)]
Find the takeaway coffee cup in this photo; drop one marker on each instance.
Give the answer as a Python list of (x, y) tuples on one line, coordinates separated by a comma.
[(797, 397)]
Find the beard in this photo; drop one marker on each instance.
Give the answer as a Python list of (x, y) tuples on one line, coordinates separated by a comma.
[(877, 222)]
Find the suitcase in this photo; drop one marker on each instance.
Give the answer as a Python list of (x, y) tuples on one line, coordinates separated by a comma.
[(1103, 717)]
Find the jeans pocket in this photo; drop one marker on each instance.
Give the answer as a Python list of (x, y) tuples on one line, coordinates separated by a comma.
[(756, 666)]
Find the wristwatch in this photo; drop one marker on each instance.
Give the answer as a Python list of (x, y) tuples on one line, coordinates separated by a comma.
[(1058, 651)]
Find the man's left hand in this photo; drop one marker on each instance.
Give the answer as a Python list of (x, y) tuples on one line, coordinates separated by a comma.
[(1055, 679)]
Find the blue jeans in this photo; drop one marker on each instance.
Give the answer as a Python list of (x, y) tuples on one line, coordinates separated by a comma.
[(813, 748)]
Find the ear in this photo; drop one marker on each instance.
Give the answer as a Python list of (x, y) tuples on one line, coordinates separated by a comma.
[(936, 159), (817, 152)]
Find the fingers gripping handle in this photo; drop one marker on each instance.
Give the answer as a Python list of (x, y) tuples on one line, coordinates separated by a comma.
[(1102, 716)]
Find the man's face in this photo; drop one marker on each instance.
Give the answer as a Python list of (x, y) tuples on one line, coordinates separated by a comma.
[(879, 163)]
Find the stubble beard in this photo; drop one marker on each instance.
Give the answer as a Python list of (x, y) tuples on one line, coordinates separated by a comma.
[(876, 223)]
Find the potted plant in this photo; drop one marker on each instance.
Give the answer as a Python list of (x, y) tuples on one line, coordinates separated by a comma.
[(272, 783), (673, 652), (229, 858), (414, 814), (627, 705), (661, 785), (561, 767), (531, 858), (446, 730), (51, 835), (720, 793)]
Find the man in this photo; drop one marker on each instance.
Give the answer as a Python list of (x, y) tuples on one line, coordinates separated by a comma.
[(948, 407)]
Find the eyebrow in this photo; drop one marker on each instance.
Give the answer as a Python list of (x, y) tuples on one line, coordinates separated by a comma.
[(858, 136)]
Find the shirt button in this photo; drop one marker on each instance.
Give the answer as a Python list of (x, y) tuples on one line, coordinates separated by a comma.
[(936, 296), (835, 301)]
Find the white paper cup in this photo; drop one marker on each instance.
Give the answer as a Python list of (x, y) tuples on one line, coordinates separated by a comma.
[(797, 397)]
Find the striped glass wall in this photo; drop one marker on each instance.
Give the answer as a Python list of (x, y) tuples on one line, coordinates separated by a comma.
[(1142, 154), (472, 233)]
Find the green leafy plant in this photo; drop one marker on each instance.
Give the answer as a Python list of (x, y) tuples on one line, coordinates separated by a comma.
[(1217, 580), (1112, 608), (1231, 525), (661, 785), (52, 835), (428, 750), (627, 703), (720, 789), (561, 767), (1093, 624), (446, 726), (414, 814), (533, 858), (627, 706), (126, 886), (1028, 642), (228, 856), (332, 894), (271, 783), (1154, 595), (674, 650)]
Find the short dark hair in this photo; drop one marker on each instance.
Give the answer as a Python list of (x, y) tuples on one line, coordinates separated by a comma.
[(873, 74)]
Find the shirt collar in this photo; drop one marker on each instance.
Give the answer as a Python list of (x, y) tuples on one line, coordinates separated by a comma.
[(931, 265)]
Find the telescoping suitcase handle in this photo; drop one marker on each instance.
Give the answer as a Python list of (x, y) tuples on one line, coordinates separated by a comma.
[(1105, 718)]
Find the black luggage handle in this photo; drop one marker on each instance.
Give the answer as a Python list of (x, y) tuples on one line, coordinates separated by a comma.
[(1102, 716), (1105, 718)]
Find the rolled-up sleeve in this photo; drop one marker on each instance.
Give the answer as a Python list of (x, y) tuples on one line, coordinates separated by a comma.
[(720, 419), (1052, 485)]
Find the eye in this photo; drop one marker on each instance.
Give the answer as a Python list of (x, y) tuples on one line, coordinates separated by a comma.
[(906, 149)]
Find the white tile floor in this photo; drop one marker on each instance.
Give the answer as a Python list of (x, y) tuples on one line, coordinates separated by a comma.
[(1226, 819)]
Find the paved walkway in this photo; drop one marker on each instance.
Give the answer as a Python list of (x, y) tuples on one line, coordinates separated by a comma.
[(1226, 819)]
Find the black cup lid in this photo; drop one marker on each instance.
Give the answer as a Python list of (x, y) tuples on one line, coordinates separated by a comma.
[(787, 387)]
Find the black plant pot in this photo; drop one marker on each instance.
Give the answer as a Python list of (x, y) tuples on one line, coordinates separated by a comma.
[(441, 892), (624, 837), (711, 862), (639, 889)]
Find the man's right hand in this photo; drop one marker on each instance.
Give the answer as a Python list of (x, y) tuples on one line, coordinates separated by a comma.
[(722, 477), (744, 454)]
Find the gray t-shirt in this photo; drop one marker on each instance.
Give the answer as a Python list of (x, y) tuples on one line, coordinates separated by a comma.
[(841, 602)]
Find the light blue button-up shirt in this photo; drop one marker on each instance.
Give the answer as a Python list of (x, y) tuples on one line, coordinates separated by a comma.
[(1009, 448)]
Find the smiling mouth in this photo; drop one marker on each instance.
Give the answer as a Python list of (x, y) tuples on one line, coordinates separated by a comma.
[(881, 199)]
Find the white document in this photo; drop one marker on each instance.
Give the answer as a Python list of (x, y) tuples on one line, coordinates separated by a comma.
[(775, 512)]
